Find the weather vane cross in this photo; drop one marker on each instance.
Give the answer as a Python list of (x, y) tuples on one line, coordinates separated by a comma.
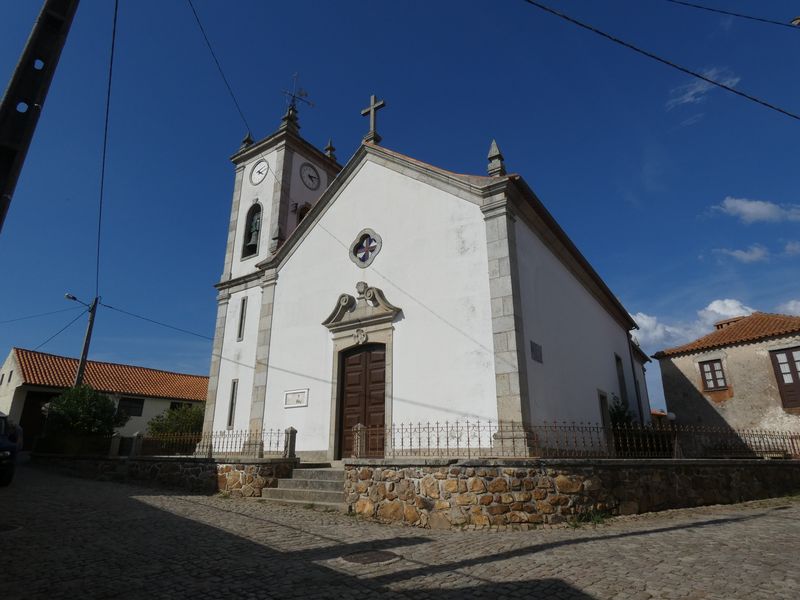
[(374, 106), (296, 94)]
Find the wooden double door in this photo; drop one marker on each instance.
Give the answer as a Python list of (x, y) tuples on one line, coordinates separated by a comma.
[(362, 398)]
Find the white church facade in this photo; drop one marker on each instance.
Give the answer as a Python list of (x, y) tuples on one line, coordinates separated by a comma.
[(391, 291)]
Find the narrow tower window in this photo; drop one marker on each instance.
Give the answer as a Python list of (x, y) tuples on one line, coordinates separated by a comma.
[(252, 231), (242, 313), (232, 407)]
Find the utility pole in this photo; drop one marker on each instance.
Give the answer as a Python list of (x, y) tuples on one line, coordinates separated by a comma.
[(23, 100), (87, 339)]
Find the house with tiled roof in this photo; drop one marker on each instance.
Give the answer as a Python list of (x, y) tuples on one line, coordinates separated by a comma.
[(744, 374), (30, 379)]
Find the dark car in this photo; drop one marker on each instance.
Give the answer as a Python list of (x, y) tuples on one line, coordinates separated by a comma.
[(9, 444)]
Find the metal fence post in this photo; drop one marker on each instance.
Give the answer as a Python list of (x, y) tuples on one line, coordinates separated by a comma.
[(359, 441), (136, 446), (289, 442), (113, 447)]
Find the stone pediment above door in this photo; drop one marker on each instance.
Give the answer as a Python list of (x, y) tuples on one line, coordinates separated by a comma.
[(370, 308)]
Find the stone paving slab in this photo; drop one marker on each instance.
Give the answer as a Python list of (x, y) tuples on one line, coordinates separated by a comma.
[(87, 539)]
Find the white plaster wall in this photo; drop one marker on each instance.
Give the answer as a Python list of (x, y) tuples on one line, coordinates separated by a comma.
[(263, 192), (578, 338), (433, 265), (238, 359), (7, 388), (152, 408)]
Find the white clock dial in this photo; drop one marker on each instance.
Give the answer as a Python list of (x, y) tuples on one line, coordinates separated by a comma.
[(310, 176), (259, 172)]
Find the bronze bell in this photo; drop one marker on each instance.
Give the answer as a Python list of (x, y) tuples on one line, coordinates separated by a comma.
[(253, 241)]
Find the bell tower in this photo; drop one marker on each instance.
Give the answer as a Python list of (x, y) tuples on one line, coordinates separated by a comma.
[(276, 182)]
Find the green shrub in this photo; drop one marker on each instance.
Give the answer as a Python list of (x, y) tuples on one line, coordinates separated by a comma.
[(83, 411), (184, 419)]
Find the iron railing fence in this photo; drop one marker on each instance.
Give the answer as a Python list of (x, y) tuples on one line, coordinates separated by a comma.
[(482, 439), (218, 444)]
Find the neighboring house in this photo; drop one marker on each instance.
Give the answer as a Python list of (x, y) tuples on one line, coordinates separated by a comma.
[(744, 374), (30, 379), (393, 291)]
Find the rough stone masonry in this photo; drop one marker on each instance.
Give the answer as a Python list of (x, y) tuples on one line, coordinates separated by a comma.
[(442, 496)]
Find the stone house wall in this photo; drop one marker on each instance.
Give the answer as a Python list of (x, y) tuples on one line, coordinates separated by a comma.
[(441, 495), (239, 479), (752, 399)]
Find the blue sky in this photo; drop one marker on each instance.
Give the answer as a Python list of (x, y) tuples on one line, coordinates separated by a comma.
[(682, 197)]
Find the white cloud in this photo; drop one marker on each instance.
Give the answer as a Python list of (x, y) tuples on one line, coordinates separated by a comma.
[(754, 211), (755, 253), (697, 90), (692, 120), (792, 248), (654, 334), (719, 310), (792, 307)]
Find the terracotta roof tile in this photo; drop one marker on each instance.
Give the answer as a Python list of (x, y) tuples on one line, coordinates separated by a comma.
[(755, 327), (39, 368)]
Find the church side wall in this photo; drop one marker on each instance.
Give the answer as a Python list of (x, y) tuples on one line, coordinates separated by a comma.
[(432, 265), (578, 339), (238, 359)]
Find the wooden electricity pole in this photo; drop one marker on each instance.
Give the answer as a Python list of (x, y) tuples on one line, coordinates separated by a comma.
[(22, 103)]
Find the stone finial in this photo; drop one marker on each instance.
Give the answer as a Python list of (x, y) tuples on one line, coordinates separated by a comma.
[(289, 120), (329, 150), (496, 165), (361, 288), (246, 141)]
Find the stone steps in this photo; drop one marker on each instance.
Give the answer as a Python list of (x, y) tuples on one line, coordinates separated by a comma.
[(311, 485)]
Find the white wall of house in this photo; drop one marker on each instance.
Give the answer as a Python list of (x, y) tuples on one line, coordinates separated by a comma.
[(579, 338), (10, 375), (433, 265), (151, 408), (238, 360)]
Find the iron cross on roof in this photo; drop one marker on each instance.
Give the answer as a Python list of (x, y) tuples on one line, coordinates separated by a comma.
[(374, 106)]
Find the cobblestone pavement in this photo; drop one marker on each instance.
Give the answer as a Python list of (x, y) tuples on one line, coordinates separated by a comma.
[(85, 539)]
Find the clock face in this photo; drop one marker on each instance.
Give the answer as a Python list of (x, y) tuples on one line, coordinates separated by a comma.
[(310, 176), (259, 172)]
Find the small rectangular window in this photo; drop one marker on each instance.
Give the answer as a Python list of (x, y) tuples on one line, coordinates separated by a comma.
[(536, 352), (178, 405), (232, 407), (242, 313), (3, 376), (713, 375), (10, 373), (132, 407)]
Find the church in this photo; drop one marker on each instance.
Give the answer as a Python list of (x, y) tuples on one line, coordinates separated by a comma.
[(389, 291)]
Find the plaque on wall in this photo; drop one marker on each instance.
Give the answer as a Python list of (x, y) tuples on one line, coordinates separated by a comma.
[(295, 398)]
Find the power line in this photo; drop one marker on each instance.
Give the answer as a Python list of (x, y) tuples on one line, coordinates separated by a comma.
[(57, 333), (149, 320), (105, 150), (732, 14), (44, 314), (664, 61), (219, 66)]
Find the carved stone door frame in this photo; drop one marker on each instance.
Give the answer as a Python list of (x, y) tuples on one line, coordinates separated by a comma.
[(354, 322)]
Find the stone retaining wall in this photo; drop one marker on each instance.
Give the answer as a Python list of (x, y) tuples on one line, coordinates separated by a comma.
[(456, 494), (239, 479)]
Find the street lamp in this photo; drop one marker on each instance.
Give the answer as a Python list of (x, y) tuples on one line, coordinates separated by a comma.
[(87, 338)]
